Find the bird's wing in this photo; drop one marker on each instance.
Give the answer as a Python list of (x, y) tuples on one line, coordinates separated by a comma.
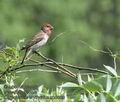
[(37, 38)]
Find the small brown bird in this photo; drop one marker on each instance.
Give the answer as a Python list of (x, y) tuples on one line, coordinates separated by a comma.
[(38, 40)]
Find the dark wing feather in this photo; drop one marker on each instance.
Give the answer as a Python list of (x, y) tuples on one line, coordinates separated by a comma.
[(37, 38)]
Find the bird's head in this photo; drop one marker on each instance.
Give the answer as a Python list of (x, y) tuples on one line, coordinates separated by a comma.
[(47, 28)]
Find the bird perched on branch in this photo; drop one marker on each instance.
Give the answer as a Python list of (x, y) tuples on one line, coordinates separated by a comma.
[(38, 40)]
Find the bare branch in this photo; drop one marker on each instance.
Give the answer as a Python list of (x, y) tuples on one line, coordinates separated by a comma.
[(50, 63), (84, 68), (49, 71), (64, 70), (57, 36), (94, 49), (75, 67)]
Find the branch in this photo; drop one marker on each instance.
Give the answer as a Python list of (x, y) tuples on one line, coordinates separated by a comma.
[(39, 64), (23, 71), (75, 67), (94, 49), (30, 65), (83, 68), (8, 70), (50, 63), (64, 70)]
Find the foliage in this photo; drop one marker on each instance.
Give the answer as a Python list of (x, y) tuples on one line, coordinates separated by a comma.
[(96, 22), (97, 88), (105, 88)]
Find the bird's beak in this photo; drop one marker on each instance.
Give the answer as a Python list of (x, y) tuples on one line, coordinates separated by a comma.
[(52, 28)]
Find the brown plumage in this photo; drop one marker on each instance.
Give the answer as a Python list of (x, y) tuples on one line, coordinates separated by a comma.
[(38, 40)]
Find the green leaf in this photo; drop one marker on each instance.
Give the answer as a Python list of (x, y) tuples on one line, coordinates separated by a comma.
[(13, 62), (108, 83), (18, 45), (89, 78), (85, 98), (79, 79), (69, 84), (2, 56), (101, 98), (110, 98), (40, 88), (93, 86), (111, 70), (117, 91), (90, 98), (2, 89)]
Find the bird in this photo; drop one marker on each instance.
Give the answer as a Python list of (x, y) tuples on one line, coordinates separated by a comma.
[(38, 40)]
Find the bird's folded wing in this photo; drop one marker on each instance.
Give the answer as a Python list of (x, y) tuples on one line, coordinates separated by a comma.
[(35, 40)]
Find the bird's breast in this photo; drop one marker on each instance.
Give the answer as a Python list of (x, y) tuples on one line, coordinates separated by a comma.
[(41, 43)]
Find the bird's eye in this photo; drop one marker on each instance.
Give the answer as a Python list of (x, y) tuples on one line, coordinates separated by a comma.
[(47, 26)]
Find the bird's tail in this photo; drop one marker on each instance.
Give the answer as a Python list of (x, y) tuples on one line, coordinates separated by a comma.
[(24, 56), (23, 48)]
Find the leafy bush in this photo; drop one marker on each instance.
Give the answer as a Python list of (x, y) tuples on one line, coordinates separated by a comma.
[(96, 88)]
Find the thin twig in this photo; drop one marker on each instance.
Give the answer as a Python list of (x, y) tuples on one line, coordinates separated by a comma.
[(83, 68), (30, 65), (21, 85), (85, 74), (114, 58), (57, 36), (42, 70), (94, 49)]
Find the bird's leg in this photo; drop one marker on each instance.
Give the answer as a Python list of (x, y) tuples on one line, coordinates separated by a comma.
[(26, 55)]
